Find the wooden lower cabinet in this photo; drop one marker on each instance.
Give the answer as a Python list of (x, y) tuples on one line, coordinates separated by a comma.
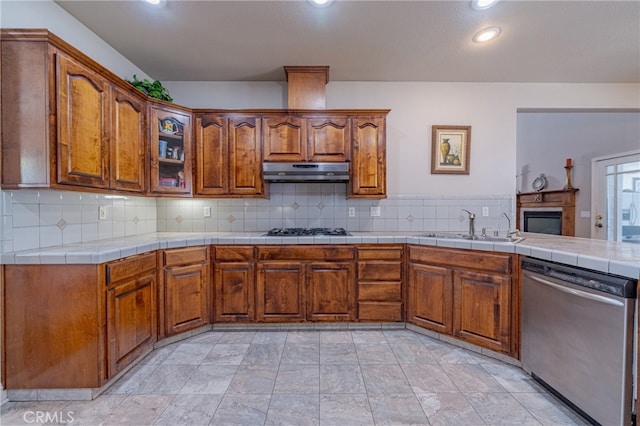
[(233, 284), (184, 290), (380, 276), (467, 294), (330, 291), (131, 310), (430, 297), (481, 309), (305, 283), (54, 334), (120, 309), (280, 289)]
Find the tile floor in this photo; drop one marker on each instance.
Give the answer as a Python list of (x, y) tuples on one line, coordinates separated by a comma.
[(381, 377)]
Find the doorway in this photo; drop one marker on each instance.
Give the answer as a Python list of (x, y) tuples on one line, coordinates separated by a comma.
[(615, 197)]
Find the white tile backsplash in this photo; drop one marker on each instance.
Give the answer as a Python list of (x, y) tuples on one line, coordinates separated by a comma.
[(32, 218), (43, 218), (325, 205)]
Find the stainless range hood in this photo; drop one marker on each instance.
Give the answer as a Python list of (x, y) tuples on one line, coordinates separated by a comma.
[(305, 172)]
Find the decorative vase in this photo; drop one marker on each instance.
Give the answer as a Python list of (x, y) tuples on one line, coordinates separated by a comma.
[(445, 147)]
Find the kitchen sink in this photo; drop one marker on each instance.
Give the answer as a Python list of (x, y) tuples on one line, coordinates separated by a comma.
[(488, 238)]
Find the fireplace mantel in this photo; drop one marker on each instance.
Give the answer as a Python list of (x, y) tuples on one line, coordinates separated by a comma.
[(561, 198)]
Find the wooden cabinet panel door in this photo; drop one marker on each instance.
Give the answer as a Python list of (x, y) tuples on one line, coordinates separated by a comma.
[(430, 297), (128, 145), (170, 174), (280, 291), (369, 157), (329, 139), (186, 298), (482, 307), (284, 138), (245, 156), (83, 111), (234, 292), (212, 155), (131, 320), (330, 291)]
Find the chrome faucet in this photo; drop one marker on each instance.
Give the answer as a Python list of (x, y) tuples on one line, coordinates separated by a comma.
[(472, 220), (510, 233), (508, 222)]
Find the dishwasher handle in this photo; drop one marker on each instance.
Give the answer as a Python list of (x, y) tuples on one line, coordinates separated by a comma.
[(573, 291), (614, 285)]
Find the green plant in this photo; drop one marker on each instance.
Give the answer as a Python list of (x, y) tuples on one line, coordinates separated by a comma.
[(155, 89)]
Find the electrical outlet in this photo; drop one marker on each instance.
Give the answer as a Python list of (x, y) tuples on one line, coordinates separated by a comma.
[(206, 211), (102, 213), (375, 211), (352, 212), (485, 211)]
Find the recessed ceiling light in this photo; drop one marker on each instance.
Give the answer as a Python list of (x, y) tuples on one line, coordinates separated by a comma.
[(321, 3), (483, 4), (159, 3), (486, 34)]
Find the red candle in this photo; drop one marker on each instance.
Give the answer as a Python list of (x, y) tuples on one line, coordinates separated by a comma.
[(569, 162)]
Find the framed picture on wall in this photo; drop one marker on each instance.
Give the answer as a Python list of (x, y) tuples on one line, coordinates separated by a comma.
[(450, 149)]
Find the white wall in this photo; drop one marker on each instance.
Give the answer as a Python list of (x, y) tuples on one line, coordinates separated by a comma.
[(545, 139), (490, 108), (46, 14)]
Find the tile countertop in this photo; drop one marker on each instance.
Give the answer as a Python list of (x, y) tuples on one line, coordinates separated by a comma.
[(604, 256)]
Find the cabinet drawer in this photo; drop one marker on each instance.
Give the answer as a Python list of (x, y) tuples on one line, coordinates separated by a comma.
[(465, 259), (234, 253), (380, 311), (380, 292), (380, 271), (380, 253), (314, 252), (130, 267), (185, 256)]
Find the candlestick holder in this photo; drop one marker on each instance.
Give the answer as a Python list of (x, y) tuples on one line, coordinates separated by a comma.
[(568, 171)]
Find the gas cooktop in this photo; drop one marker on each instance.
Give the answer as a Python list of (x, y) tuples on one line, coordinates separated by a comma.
[(306, 232)]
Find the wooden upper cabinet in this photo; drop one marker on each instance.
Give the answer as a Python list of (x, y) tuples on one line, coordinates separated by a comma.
[(288, 137), (128, 141), (368, 170), (170, 146), (27, 104), (79, 125), (212, 155), (245, 155), (329, 139), (83, 122), (284, 138)]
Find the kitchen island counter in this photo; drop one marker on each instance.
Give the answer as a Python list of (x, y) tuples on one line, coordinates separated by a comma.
[(604, 256)]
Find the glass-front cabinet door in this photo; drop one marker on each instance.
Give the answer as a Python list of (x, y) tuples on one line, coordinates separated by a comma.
[(170, 168)]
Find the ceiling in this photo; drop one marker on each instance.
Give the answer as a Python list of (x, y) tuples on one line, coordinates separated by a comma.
[(541, 41)]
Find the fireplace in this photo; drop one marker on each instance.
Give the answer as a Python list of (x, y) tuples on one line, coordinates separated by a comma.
[(552, 212), (542, 222)]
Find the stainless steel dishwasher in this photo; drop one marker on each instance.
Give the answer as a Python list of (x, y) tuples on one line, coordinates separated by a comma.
[(577, 338)]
